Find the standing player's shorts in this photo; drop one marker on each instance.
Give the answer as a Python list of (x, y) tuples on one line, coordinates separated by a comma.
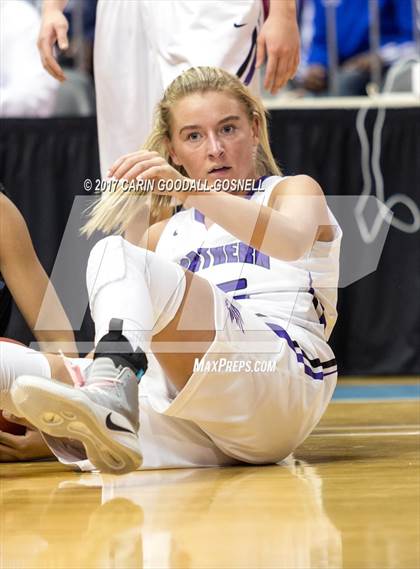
[(141, 46)]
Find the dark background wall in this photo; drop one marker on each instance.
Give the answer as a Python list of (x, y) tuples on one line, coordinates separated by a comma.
[(43, 164)]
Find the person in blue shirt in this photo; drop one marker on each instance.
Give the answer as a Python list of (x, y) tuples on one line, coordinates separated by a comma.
[(355, 59)]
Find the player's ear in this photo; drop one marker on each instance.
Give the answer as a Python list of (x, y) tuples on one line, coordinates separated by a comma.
[(255, 128), (172, 153)]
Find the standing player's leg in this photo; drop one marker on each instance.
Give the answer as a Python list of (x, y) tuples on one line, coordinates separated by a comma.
[(126, 82)]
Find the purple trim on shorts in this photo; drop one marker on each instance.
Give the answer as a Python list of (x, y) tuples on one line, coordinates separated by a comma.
[(315, 302), (247, 59), (266, 8), (330, 373), (251, 72), (281, 333)]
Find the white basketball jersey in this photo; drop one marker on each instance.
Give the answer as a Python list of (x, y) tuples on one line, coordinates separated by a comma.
[(299, 295)]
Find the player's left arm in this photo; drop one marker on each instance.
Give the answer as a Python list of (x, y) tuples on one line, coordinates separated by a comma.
[(279, 43), (295, 217)]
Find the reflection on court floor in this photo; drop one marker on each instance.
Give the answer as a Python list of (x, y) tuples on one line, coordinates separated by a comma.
[(348, 498)]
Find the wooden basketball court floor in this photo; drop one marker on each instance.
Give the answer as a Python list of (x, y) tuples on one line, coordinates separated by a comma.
[(348, 498)]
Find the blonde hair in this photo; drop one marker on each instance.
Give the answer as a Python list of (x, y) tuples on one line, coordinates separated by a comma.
[(115, 211)]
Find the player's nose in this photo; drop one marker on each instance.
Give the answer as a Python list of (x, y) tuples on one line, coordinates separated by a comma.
[(214, 146)]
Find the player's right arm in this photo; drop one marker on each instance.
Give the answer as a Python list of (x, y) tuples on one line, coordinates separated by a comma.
[(54, 27)]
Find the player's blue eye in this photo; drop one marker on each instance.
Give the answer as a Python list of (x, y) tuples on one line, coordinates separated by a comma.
[(194, 136), (228, 128)]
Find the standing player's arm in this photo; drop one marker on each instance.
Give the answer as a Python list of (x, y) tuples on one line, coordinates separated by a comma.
[(54, 28), (28, 282), (286, 228), (279, 43)]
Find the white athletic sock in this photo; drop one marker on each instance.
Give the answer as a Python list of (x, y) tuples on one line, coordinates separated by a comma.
[(16, 360), (134, 285)]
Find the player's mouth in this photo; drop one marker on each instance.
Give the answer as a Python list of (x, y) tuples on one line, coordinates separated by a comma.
[(219, 170)]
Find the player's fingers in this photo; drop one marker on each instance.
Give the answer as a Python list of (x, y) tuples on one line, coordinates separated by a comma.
[(126, 165), (46, 41), (117, 163), (271, 71), (49, 62), (53, 69), (18, 420), (282, 76), (7, 454), (144, 166), (154, 173), (115, 166), (9, 441), (286, 71), (294, 65), (126, 162), (62, 40), (136, 170)]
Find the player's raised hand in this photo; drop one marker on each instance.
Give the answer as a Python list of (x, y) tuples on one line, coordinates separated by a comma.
[(279, 44), (143, 165), (54, 27)]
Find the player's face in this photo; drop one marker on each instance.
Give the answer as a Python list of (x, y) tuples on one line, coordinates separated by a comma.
[(212, 137)]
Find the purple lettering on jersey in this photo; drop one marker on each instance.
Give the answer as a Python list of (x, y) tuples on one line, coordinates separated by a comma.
[(246, 253), (232, 252), (237, 252), (206, 257), (262, 260), (219, 255), (191, 261)]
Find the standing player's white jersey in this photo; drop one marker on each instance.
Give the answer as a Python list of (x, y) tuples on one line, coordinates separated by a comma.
[(299, 296)]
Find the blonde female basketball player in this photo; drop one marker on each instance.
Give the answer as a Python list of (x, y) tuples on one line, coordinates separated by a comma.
[(234, 296)]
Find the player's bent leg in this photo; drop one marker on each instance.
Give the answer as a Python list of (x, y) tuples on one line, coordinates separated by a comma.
[(159, 302), (193, 324)]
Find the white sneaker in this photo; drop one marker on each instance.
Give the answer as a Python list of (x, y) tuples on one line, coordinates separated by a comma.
[(102, 414)]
